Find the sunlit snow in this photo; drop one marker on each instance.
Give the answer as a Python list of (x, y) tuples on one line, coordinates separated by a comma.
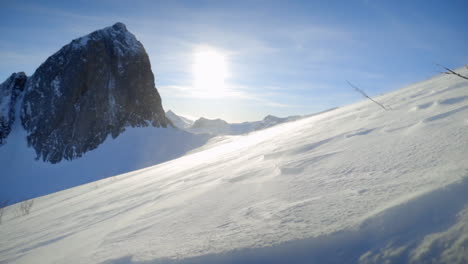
[(354, 185)]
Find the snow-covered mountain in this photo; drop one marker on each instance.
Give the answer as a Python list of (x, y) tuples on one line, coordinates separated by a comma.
[(92, 88), (210, 126), (353, 185), (179, 121), (217, 127), (90, 111)]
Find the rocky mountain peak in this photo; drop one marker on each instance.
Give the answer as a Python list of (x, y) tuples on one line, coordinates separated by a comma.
[(119, 26), (122, 40), (90, 89)]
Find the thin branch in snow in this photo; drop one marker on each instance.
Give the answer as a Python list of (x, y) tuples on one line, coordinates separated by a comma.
[(449, 71), (365, 95)]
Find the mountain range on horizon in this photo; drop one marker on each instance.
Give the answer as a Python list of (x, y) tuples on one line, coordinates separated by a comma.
[(217, 127)]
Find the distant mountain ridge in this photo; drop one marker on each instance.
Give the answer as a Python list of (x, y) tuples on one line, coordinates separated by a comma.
[(218, 126), (179, 121)]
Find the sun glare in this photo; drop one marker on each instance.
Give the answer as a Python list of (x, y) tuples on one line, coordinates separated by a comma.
[(210, 71)]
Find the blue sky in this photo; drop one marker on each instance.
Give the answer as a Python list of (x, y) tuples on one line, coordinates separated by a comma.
[(284, 57)]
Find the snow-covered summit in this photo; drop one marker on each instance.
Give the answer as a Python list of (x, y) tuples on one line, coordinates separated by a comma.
[(210, 126), (353, 185), (179, 121)]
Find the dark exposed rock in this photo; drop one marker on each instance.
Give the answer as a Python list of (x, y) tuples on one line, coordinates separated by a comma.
[(91, 88), (10, 91)]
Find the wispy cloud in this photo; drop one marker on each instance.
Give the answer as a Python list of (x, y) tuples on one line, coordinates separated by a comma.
[(232, 92)]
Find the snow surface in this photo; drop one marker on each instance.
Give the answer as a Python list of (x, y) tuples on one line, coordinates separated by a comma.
[(352, 185), (23, 177)]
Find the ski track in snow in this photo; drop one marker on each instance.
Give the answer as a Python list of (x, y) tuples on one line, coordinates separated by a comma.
[(353, 185)]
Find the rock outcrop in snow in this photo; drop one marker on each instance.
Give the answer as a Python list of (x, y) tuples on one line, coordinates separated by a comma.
[(10, 91), (90, 89)]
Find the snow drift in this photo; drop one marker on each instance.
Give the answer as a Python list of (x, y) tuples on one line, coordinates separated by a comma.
[(352, 185)]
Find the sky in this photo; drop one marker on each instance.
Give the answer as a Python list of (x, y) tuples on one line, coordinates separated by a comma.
[(281, 57)]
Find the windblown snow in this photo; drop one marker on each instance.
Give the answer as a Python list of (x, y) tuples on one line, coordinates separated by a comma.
[(354, 185)]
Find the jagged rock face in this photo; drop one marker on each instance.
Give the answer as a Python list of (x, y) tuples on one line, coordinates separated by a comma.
[(10, 91), (91, 88)]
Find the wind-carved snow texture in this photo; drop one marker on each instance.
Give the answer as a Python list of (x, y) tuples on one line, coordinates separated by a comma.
[(91, 88), (352, 185)]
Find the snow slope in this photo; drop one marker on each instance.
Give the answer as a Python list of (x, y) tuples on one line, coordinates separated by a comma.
[(352, 185), (23, 177)]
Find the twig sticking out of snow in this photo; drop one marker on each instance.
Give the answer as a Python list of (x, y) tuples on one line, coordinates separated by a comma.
[(449, 71), (365, 95)]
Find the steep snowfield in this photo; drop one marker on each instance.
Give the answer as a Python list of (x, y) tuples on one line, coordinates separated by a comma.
[(356, 184), (22, 177)]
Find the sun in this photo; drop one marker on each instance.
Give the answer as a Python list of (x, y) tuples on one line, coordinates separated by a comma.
[(210, 71)]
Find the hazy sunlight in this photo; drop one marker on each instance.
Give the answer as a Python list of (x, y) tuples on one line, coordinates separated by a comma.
[(210, 71)]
